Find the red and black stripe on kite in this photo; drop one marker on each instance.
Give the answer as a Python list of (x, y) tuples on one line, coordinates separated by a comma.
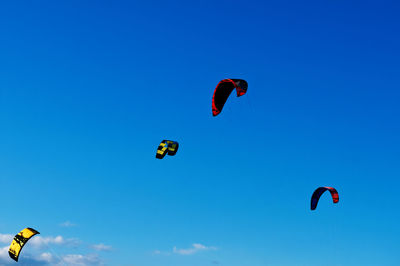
[(319, 191), (223, 90)]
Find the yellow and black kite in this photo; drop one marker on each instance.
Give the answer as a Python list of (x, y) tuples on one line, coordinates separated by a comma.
[(19, 242), (167, 146)]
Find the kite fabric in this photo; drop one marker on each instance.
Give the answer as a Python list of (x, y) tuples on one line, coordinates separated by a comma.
[(19, 242), (167, 147), (223, 90), (319, 191)]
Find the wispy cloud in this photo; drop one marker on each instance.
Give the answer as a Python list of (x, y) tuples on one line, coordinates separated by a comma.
[(40, 242), (156, 252), (46, 256), (38, 254), (4, 253), (67, 224), (101, 247), (51, 259), (159, 252), (82, 260), (6, 238), (194, 249)]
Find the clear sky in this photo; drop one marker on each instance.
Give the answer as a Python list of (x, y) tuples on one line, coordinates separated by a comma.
[(88, 89)]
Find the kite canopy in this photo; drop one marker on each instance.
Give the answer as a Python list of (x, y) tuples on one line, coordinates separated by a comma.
[(167, 146), (19, 242), (223, 90), (319, 191)]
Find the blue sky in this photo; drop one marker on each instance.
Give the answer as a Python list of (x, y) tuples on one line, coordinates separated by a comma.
[(88, 89)]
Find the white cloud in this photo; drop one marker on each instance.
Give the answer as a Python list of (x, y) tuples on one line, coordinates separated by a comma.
[(48, 257), (158, 252), (40, 242), (6, 238), (67, 224), (4, 253), (43, 259), (101, 247), (82, 260), (194, 249)]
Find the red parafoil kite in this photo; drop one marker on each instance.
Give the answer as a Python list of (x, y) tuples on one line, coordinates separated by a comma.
[(223, 90), (319, 191)]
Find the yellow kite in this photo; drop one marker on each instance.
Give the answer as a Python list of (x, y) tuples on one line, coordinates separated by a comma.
[(167, 146), (19, 241)]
